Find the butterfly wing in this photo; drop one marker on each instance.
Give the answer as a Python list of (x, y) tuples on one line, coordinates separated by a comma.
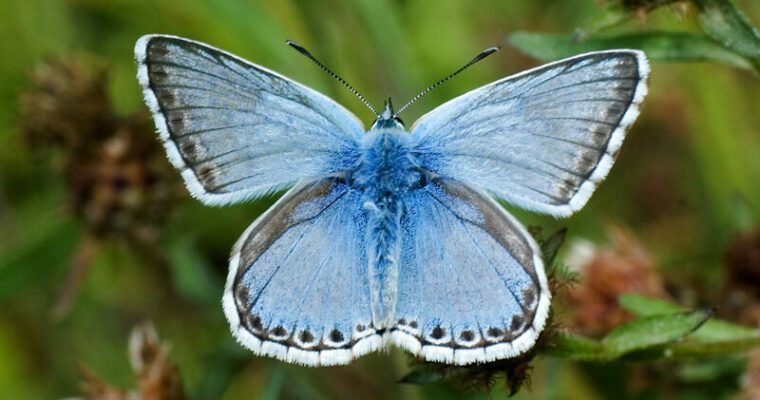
[(542, 139), (298, 286), (237, 130), (471, 284)]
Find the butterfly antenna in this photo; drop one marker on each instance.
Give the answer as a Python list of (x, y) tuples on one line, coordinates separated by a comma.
[(356, 93), (483, 54)]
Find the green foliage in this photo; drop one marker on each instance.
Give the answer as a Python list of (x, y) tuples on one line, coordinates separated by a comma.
[(662, 331), (728, 37), (659, 46), (722, 21)]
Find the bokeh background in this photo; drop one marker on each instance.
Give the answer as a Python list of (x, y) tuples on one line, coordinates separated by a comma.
[(97, 234)]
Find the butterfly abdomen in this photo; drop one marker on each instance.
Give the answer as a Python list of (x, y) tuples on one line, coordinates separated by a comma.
[(387, 170)]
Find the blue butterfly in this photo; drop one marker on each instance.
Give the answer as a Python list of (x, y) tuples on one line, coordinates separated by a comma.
[(388, 236)]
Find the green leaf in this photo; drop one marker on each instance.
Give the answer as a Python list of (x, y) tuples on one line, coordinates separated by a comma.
[(712, 331), (615, 13), (191, 271), (648, 335), (659, 46), (611, 15), (653, 331), (722, 21), (423, 375), (711, 370), (550, 247), (576, 347), (40, 257), (646, 306)]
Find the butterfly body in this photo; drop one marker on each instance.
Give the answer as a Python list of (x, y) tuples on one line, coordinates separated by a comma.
[(388, 236), (387, 171)]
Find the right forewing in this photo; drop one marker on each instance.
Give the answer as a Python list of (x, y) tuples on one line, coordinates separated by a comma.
[(237, 130)]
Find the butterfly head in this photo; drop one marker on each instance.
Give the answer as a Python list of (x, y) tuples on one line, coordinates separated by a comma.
[(388, 118)]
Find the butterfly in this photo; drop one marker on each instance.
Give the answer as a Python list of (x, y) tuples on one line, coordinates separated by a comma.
[(388, 235)]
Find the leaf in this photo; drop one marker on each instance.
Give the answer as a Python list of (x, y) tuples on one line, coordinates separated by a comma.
[(611, 15), (576, 347), (646, 306), (645, 334), (722, 21), (191, 272), (550, 247), (423, 375), (712, 331), (653, 331), (616, 13), (659, 46), (39, 258)]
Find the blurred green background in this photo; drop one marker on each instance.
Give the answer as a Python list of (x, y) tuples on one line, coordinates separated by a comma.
[(686, 187)]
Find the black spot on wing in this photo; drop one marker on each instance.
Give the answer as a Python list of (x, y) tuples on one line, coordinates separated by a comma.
[(278, 331), (494, 332), (517, 322), (306, 337), (438, 333), (336, 336), (242, 300), (530, 295), (253, 323)]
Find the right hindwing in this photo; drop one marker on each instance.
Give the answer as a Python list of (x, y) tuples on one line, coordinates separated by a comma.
[(298, 286)]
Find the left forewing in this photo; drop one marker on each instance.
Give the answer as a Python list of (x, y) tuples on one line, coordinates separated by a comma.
[(542, 139)]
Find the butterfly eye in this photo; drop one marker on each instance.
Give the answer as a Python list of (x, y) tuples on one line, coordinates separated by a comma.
[(343, 179), (423, 179)]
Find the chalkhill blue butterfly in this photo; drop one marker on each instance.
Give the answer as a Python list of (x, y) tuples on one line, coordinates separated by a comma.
[(388, 236)]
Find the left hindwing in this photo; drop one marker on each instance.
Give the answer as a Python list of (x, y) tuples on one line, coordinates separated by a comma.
[(237, 130), (471, 283), (542, 139)]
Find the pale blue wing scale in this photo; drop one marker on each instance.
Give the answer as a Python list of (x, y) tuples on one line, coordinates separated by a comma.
[(471, 284), (237, 130), (542, 139), (298, 286)]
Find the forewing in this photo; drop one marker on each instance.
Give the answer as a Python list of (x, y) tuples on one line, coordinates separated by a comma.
[(542, 139), (472, 286), (237, 130), (297, 288)]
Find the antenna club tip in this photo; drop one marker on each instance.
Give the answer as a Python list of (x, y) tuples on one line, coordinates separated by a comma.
[(490, 50), (292, 43)]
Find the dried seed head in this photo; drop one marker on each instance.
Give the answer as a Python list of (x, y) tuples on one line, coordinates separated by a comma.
[(66, 106), (118, 177), (157, 377), (605, 274)]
